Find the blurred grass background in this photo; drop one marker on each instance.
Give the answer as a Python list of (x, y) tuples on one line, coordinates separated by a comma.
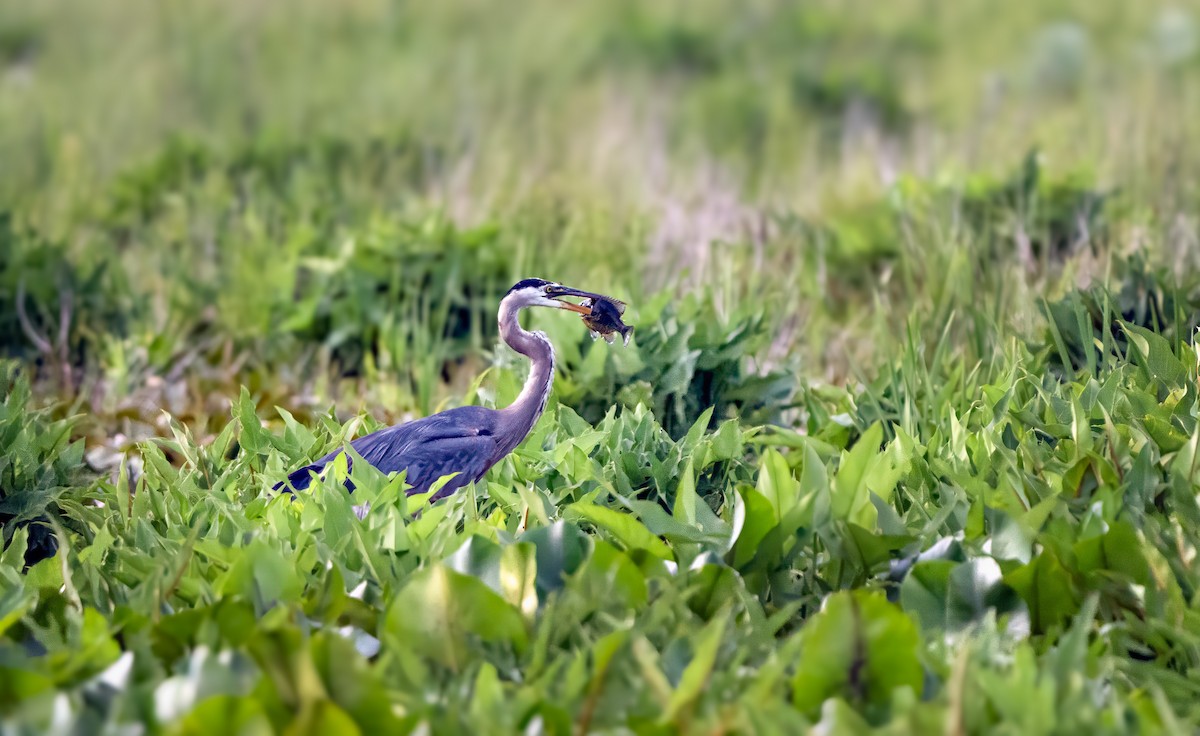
[(324, 201)]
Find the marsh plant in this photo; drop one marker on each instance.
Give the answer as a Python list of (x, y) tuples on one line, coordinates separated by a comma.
[(904, 439)]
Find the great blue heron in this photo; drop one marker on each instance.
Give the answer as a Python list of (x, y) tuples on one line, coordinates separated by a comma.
[(469, 440)]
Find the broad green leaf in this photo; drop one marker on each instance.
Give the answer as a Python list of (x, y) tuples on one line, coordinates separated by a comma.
[(815, 491), (1047, 589), (436, 610), (1153, 352), (698, 428), (225, 714), (888, 468), (488, 696), (510, 570), (860, 648), (850, 500), (685, 496), (560, 549), (610, 575), (760, 519), (950, 596), (867, 550), (287, 663), (654, 680), (251, 436), (708, 530), (712, 587), (1165, 434), (925, 593), (727, 442), (695, 675), (838, 718), (22, 684), (624, 527), (13, 556), (14, 600), (263, 574), (322, 718), (353, 683), (776, 483)]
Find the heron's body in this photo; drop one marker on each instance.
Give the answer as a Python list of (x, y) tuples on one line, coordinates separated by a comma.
[(469, 440), (463, 439)]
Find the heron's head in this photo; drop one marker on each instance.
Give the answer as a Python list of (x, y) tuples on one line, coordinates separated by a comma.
[(543, 293)]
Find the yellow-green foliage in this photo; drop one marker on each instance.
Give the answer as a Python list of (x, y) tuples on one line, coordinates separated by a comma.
[(906, 438)]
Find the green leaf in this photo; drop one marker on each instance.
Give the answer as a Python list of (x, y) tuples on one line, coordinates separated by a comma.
[(13, 556), (251, 436), (263, 574), (225, 714), (1047, 589), (925, 593), (1154, 354), (860, 648), (560, 549), (611, 576), (508, 570), (850, 500), (695, 676), (950, 596), (20, 685), (627, 530), (352, 683), (322, 718), (1163, 431), (727, 442), (436, 610), (709, 530), (776, 483), (698, 428), (816, 497), (759, 520), (685, 496)]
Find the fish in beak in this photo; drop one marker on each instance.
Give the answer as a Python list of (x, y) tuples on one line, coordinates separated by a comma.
[(602, 314)]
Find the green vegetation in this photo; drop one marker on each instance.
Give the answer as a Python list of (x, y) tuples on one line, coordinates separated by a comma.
[(906, 440)]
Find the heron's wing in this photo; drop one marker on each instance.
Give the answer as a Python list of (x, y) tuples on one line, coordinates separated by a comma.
[(455, 441), (426, 462)]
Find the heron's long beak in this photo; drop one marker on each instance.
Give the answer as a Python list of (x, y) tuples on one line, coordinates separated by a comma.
[(556, 292), (578, 308)]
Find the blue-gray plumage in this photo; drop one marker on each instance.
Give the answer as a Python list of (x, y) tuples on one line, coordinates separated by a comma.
[(469, 440)]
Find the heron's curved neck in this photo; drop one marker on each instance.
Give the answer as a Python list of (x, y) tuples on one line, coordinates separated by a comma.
[(531, 402)]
